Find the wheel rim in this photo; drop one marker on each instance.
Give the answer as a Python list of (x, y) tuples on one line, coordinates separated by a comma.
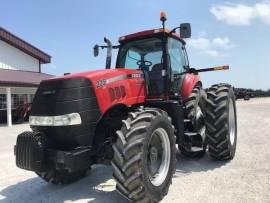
[(231, 122), (159, 156), (200, 123)]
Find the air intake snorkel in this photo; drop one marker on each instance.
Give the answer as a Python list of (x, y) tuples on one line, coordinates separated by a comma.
[(109, 51)]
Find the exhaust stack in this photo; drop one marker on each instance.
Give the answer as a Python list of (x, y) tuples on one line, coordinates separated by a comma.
[(109, 53)]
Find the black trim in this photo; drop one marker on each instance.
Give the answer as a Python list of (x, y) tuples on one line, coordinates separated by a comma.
[(29, 151), (175, 110), (72, 161), (59, 97)]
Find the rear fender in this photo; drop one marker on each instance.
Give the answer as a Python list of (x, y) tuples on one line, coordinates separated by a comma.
[(190, 81)]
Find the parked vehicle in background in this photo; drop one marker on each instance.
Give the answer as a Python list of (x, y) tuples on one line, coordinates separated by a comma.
[(242, 93), (20, 113)]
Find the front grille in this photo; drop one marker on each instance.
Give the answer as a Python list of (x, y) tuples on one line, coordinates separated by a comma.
[(59, 97)]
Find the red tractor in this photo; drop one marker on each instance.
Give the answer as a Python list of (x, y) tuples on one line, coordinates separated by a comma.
[(132, 116)]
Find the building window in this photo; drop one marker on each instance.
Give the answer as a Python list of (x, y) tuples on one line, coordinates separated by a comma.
[(31, 98), (3, 102), (18, 100)]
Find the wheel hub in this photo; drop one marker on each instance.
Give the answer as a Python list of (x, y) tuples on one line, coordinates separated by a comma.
[(159, 156), (153, 154)]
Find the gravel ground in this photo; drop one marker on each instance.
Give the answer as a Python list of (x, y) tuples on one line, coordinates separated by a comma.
[(244, 179)]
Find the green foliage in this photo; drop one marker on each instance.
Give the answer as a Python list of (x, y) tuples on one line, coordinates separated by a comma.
[(261, 93)]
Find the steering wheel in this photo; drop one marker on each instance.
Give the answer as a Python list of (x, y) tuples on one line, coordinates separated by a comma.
[(144, 63)]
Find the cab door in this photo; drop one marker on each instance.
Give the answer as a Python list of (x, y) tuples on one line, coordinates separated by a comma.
[(177, 64)]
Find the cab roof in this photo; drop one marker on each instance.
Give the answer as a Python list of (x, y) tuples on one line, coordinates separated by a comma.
[(147, 33)]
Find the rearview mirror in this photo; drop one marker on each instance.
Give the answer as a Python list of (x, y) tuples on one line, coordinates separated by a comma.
[(96, 50), (185, 30)]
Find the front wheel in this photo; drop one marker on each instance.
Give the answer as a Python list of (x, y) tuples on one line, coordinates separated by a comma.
[(221, 122), (144, 156)]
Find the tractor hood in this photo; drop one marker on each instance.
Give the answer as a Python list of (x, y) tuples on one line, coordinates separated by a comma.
[(98, 75), (109, 86)]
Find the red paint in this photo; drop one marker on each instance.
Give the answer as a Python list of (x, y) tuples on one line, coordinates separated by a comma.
[(134, 87), (190, 81), (147, 33)]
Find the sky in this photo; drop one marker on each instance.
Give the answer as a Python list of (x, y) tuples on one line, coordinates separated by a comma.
[(233, 32)]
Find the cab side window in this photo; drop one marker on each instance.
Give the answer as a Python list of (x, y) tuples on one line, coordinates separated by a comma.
[(177, 62)]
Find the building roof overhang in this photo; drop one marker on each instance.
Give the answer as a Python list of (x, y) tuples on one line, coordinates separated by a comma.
[(24, 46), (21, 78)]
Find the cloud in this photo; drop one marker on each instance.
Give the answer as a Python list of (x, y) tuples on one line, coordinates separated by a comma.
[(241, 14), (212, 47), (222, 42)]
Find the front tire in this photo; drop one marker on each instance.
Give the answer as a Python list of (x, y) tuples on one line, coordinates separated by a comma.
[(144, 156), (221, 122)]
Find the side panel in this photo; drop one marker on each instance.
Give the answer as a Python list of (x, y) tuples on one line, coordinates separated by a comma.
[(114, 86), (190, 81), (122, 87)]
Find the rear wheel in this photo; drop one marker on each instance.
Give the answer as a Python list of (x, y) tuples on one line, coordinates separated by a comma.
[(221, 122), (246, 97), (195, 112), (144, 155)]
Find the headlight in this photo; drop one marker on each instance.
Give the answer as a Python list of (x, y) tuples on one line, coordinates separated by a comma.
[(62, 120)]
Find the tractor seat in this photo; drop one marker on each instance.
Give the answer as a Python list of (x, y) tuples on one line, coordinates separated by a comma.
[(156, 86)]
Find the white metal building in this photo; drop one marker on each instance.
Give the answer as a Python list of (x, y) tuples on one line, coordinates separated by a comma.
[(20, 73)]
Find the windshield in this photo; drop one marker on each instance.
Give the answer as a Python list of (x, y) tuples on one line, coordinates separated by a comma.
[(141, 54)]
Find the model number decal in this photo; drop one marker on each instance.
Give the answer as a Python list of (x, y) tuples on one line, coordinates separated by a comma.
[(101, 83), (104, 82), (136, 75)]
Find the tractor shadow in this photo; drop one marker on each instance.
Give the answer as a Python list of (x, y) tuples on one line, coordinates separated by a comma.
[(186, 165), (98, 186)]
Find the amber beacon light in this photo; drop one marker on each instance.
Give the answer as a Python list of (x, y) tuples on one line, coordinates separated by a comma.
[(163, 16)]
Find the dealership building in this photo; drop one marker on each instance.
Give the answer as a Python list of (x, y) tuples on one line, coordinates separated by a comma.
[(20, 73)]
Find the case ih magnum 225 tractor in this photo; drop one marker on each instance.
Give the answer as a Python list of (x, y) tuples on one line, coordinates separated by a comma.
[(133, 116)]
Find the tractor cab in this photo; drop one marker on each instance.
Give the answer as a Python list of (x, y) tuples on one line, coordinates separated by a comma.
[(159, 53)]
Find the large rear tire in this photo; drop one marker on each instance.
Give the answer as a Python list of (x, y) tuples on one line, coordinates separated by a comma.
[(221, 122), (144, 156), (195, 111)]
